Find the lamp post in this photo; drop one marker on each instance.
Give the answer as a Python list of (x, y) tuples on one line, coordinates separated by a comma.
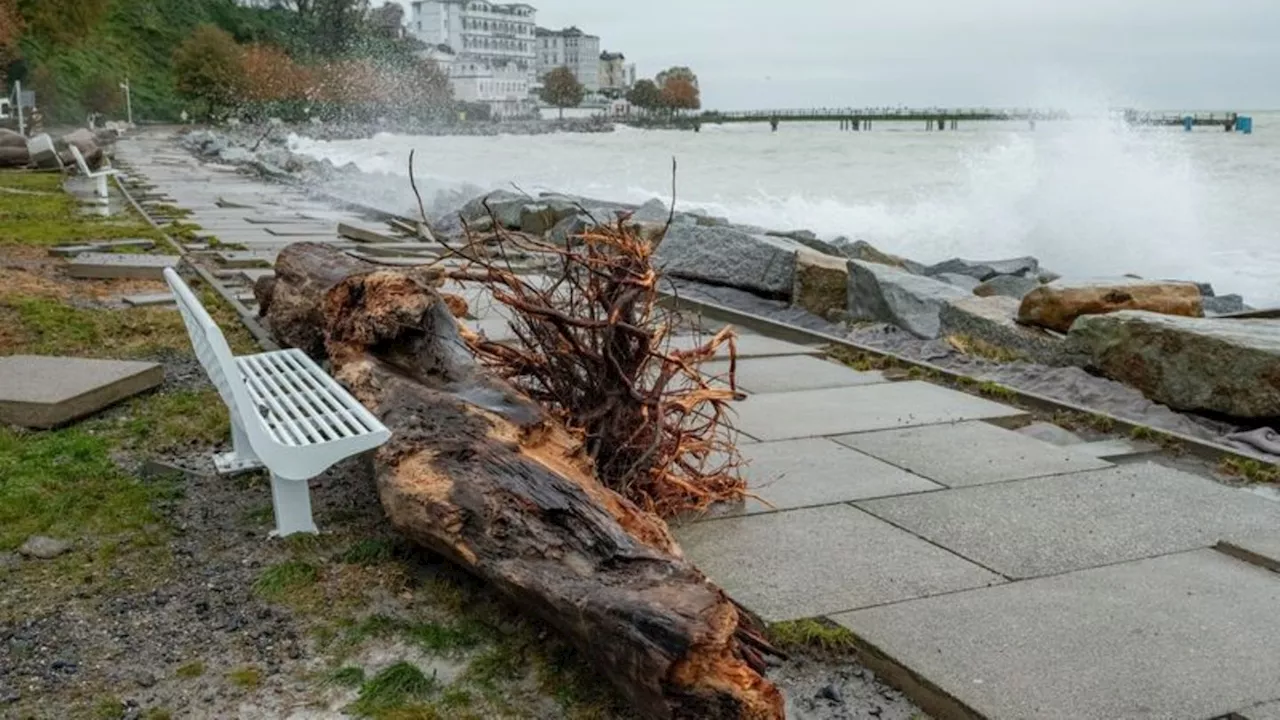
[(128, 100)]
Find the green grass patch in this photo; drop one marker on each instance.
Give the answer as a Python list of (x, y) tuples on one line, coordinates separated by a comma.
[(396, 686), (996, 390), (437, 638), (278, 581), (157, 714), (813, 635), (1249, 470), (247, 677), (108, 708), (164, 421), (64, 483), (368, 552), (190, 670), (349, 676), (54, 219)]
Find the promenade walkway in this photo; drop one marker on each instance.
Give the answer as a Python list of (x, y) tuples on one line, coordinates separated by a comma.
[(987, 573)]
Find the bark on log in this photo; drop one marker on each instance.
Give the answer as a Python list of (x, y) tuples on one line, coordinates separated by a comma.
[(480, 474)]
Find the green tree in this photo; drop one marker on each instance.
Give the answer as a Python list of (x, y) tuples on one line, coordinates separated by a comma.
[(11, 27), (63, 21), (207, 67), (101, 94), (45, 84), (645, 95), (561, 89), (339, 24)]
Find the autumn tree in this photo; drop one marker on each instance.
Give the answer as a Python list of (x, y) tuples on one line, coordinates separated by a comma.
[(101, 94), (270, 75), (645, 95), (561, 89), (11, 27), (62, 21), (45, 85), (679, 89), (208, 67)]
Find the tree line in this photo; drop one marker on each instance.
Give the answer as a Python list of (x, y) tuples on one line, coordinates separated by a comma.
[(672, 89)]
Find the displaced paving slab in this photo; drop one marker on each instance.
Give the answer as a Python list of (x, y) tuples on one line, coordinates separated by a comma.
[(1261, 549), (43, 392), (784, 374), (246, 258), (808, 563), (149, 300), (749, 346), (971, 453), (839, 411), (100, 247), (101, 266), (1118, 449), (1191, 635), (1044, 526), (816, 471), (1266, 711)]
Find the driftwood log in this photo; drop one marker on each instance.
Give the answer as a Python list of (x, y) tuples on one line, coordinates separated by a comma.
[(480, 474)]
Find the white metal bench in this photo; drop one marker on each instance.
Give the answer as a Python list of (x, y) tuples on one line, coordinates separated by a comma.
[(99, 177), (287, 414)]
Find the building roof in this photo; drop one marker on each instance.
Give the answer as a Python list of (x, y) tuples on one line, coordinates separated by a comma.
[(572, 31), (612, 56)]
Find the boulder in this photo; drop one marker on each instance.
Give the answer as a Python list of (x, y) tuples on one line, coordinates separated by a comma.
[(12, 157), (1224, 305), (44, 548), (84, 141), (821, 283), (964, 282), (994, 320), (983, 270), (809, 240), (650, 232), (866, 252), (569, 228), (1230, 367), (653, 211), (728, 256), (1057, 305), (889, 294), (1013, 286), (537, 219), (505, 205), (11, 139)]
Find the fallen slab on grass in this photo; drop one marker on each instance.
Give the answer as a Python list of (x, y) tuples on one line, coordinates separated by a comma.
[(44, 392)]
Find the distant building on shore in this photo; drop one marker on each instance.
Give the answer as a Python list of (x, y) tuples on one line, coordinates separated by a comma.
[(616, 76), (488, 49), (573, 49)]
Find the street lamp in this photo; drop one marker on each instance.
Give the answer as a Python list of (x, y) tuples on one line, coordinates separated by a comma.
[(128, 100)]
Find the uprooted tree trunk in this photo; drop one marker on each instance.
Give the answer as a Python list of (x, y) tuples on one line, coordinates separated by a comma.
[(481, 474)]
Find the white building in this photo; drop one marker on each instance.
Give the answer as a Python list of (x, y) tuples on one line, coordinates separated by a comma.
[(616, 75), (494, 60), (570, 48)]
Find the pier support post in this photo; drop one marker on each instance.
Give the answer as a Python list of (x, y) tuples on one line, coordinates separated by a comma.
[(773, 124)]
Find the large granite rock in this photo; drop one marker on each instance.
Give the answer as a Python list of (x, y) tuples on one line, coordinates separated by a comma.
[(540, 218), (1200, 364), (728, 256), (888, 294), (83, 140), (1012, 286), (808, 239), (14, 157), (1057, 305), (570, 228), (866, 252), (1224, 305), (505, 205), (964, 282), (653, 211), (9, 138), (993, 320), (983, 270), (821, 284)]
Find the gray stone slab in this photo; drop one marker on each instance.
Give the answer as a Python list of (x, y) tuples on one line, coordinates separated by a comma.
[(43, 392), (148, 300), (971, 453), (1186, 636), (301, 231), (1051, 433), (1058, 524), (98, 247), (246, 258), (1261, 549), (1266, 711), (749, 346), (807, 563), (787, 373), (816, 471), (120, 265), (1118, 449), (839, 411)]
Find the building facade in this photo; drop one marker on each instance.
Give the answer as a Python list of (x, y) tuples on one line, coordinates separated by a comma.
[(616, 75), (573, 49), (493, 56)]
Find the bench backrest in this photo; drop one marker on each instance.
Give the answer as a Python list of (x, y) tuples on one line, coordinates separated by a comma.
[(208, 341), (80, 162), (43, 143)]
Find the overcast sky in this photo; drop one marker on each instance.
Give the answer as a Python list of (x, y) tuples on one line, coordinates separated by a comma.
[(1168, 54)]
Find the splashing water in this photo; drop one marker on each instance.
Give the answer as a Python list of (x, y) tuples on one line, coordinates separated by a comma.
[(1089, 197)]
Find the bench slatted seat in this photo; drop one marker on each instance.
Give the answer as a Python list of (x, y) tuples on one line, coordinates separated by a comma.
[(287, 414), (99, 177)]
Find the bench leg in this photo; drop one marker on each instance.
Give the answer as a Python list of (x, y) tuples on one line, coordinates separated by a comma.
[(241, 458), (292, 501), (102, 187)]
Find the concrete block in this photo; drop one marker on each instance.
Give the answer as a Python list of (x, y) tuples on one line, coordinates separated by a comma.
[(1050, 433), (1118, 449), (366, 235), (1058, 524), (808, 563), (971, 453), (749, 346), (1261, 549), (120, 265), (149, 300), (44, 392), (245, 258), (1190, 635), (840, 411), (816, 471), (787, 373), (307, 231), (100, 247)]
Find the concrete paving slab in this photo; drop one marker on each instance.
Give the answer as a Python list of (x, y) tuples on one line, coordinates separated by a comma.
[(301, 231), (816, 471), (808, 563), (99, 247), (971, 453), (1185, 636), (1044, 526), (44, 392), (148, 300), (245, 258), (1051, 433), (749, 346), (839, 411), (787, 373), (120, 265), (1118, 449), (1266, 711), (1261, 549)]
